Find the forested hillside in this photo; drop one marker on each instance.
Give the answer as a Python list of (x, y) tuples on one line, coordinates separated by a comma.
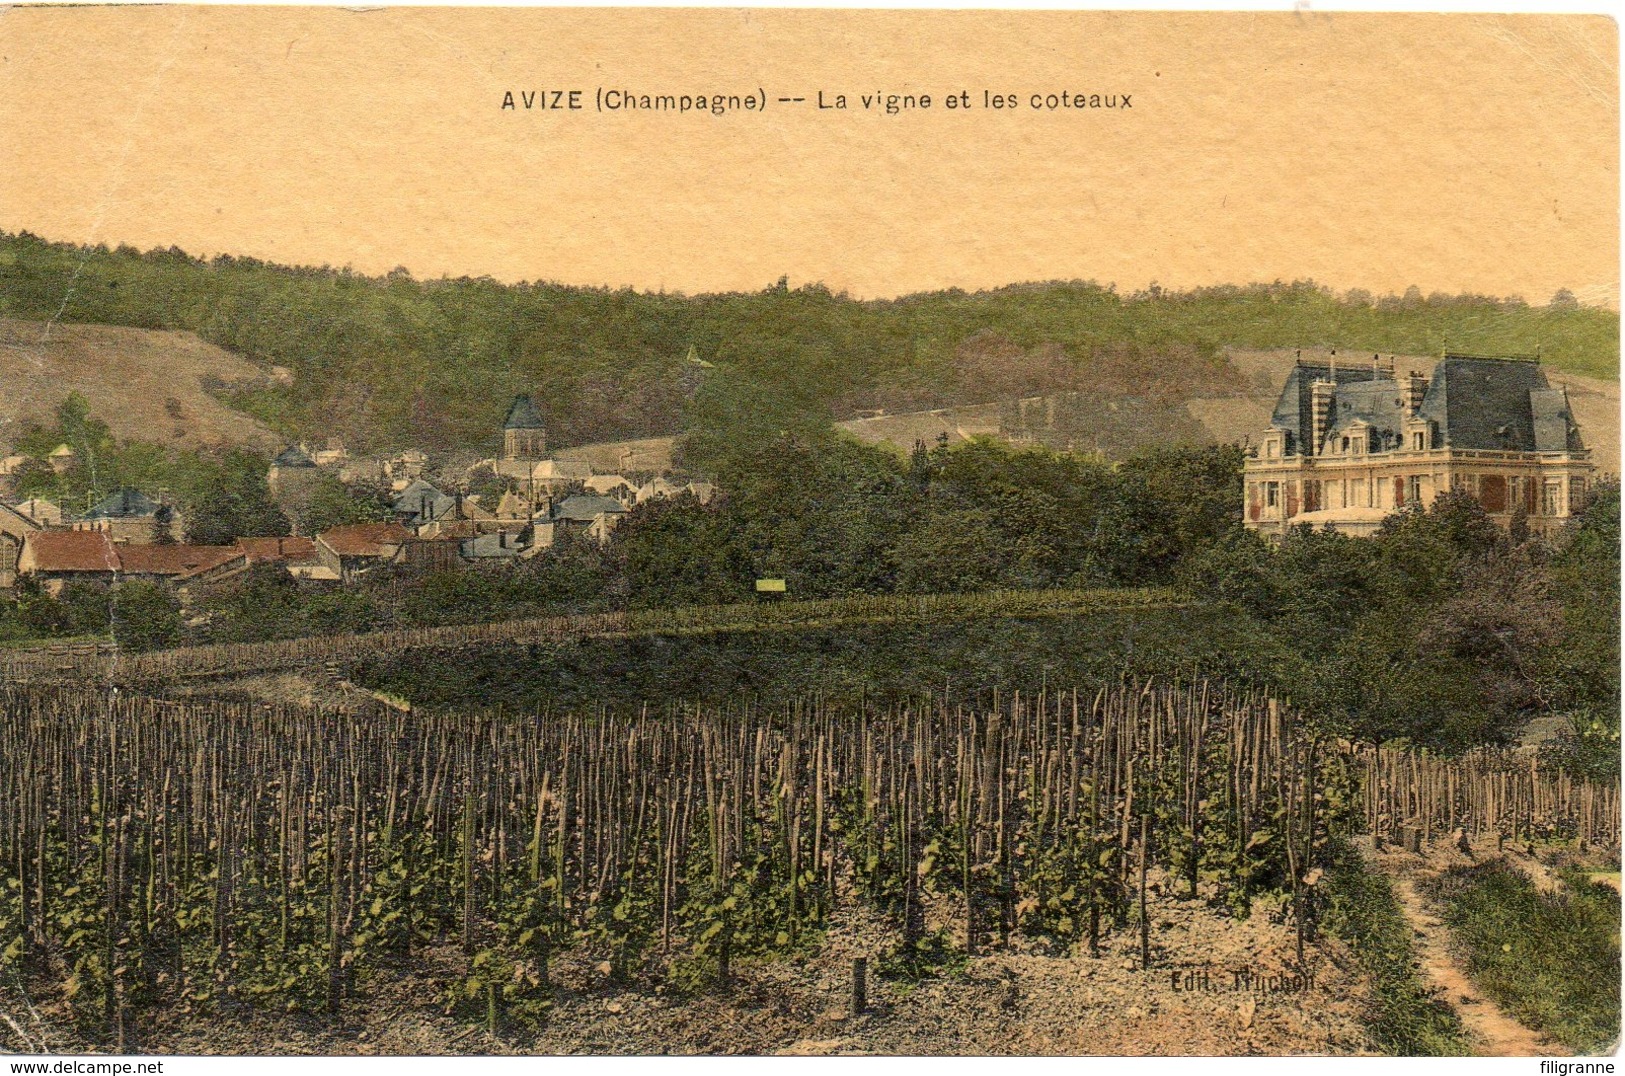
[(393, 360)]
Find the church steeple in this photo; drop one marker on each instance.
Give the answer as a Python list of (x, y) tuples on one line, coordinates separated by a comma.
[(523, 435)]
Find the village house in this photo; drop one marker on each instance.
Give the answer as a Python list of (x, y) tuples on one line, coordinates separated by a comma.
[(41, 511), (128, 515), (435, 553), (420, 504), (659, 488), (349, 552), (57, 558), (616, 486), (1349, 445), (662, 488), (396, 472), (334, 455), (183, 566), (292, 468), (430, 513), (297, 556), (585, 514), (498, 548), (16, 527), (61, 458), (401, 469)]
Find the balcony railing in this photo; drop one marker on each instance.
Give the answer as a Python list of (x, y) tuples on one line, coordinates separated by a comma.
[(1428, 455)]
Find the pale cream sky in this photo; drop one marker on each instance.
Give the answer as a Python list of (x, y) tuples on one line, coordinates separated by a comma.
[(1453, 152)]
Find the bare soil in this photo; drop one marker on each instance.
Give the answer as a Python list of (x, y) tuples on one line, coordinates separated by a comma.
[(1027, 1000)]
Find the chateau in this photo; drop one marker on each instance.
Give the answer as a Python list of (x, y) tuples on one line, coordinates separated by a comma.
[(1349, 445)]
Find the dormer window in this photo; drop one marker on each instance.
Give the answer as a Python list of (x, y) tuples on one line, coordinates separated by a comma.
[(1345, 444), (1417, 441)]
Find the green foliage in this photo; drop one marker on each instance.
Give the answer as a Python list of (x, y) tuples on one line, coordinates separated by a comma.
[(146, 616), (392, 360), (233, 503), (1588, 748), (964, 661), (1551, 960), (1441, 629), (222, 493), (330, 503), (80, 609), (1178, 501), (1583, 670), (925, 957)]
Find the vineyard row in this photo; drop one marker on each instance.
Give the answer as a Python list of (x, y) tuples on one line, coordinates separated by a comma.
[(159, 853)]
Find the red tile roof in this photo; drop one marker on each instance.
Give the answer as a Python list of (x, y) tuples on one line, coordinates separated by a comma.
[(364, 539), (177, 561), (276, 550), (72, 551)]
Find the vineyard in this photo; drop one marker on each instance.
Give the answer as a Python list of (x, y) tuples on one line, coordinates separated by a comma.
[(107, 663), (161, 854)]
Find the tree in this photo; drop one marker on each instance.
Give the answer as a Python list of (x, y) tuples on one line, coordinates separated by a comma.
[(1584, 666), (1184, 499), (951, 549), (146, 616), (675, 552), (330, 503), (234, 502)]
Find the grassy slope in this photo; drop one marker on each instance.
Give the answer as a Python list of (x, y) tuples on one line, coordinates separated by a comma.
[(1552, 961)]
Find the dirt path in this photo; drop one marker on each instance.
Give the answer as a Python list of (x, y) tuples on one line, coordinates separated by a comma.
[(1497, 1034)]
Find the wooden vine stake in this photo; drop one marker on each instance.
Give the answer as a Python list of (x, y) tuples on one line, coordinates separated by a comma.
[(1145, 922)]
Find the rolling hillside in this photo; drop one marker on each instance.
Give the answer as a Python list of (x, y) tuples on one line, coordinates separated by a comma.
[(1235, 417), (391, 361), (145, 384)]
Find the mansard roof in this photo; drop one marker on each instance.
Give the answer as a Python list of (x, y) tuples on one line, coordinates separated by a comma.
[(1293, 412), (1481, 402), (1555, 429), (1377, 403), (1472, 402)]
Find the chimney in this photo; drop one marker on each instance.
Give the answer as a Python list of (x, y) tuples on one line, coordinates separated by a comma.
[(1416, 387), (1321, 398)]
